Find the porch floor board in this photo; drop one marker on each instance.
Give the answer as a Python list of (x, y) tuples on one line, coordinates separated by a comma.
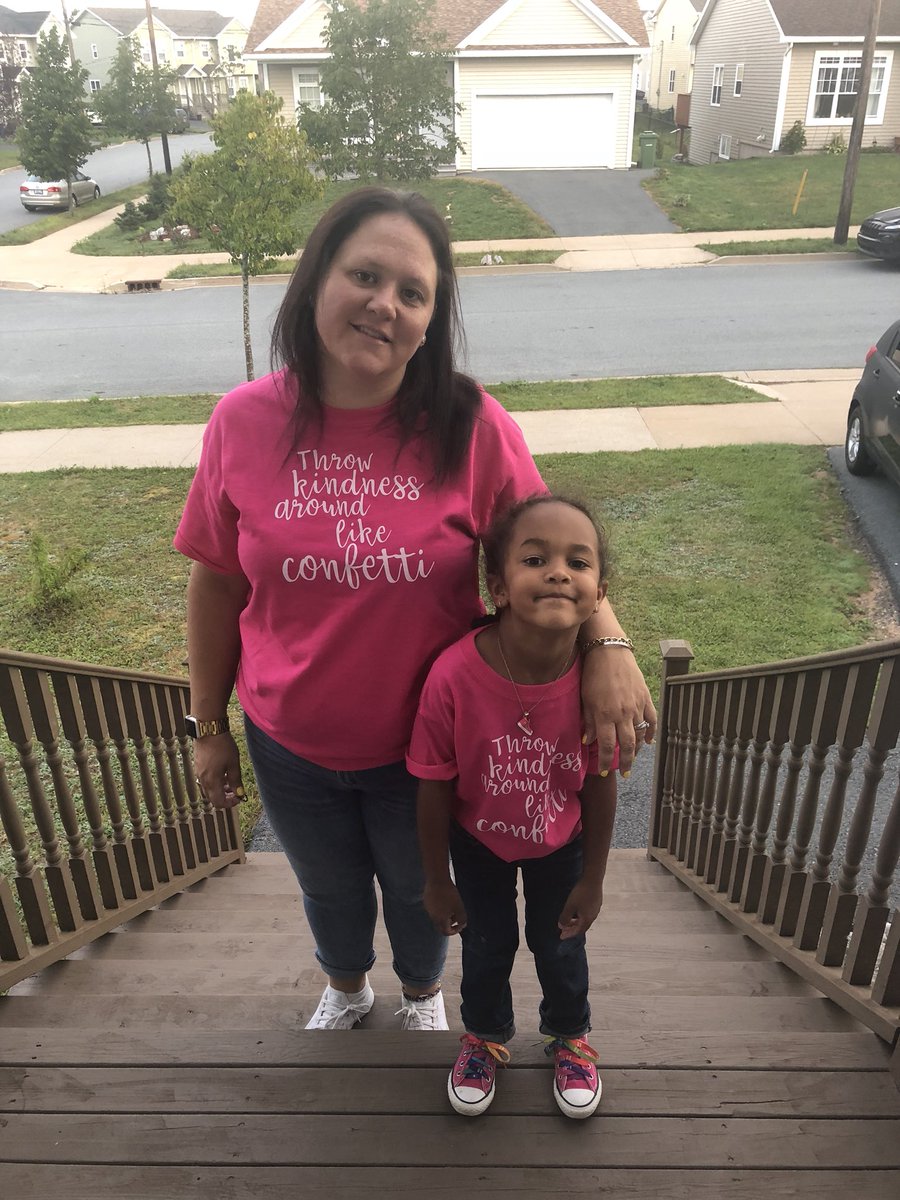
[(169, 1060)]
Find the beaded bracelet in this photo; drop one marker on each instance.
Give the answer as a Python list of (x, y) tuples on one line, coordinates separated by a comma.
[(625, 642)]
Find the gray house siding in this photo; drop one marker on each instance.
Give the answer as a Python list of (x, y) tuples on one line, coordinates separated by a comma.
[(738, 31), (89, 31)]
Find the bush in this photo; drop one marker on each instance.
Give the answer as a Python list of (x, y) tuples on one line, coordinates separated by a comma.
[(836, 144), (158, 199), (129, 219), (51, 576), (794, 140)]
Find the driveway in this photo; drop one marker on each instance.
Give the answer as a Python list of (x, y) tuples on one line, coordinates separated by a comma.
[(586, 203)]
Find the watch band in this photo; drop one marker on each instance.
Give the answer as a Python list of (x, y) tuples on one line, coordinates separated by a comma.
[(200, 729)]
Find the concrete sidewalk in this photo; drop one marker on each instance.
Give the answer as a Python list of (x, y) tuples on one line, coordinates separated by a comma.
[(801, 407), (49, 264)]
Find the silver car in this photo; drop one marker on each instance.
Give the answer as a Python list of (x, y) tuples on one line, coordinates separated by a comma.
[(38, 193)]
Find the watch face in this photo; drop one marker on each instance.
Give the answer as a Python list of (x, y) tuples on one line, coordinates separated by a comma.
[(190, 724)]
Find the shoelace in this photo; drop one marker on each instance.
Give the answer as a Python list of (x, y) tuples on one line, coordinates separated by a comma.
[(331, 1011), (477, 1066), (576, 1050)]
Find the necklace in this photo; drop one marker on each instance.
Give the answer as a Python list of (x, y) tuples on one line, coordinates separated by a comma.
[(524, 722)]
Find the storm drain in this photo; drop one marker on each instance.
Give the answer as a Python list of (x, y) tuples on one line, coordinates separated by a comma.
[(143, 285)]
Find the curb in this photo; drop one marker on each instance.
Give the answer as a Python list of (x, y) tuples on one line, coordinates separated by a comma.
[(800, 256)]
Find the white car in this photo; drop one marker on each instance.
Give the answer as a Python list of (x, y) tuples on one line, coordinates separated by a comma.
[(38, 193)]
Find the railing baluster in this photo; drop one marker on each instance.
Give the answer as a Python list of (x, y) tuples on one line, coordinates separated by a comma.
[(682, 700), (857, 702), (176, 818), (800, 734), (29, 882), (698, 783), (749, 690), (181, 772), (13, 947), (19, 727), (686, 809), (760, 730), (723, 784), (676, 661), (872, 911), (163, 839), (825, 722), (710, 748), (886, 987), (780, 699)]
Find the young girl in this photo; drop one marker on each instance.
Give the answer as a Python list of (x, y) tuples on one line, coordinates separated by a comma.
[(505, 785)]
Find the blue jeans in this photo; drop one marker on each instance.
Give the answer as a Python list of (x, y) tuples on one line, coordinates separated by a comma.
[(490, 940), (340, 830)]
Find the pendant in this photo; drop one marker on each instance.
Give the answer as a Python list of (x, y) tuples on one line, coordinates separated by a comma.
[(525, 725)]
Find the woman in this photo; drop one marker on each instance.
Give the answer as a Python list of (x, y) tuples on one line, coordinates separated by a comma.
[(334, 525)]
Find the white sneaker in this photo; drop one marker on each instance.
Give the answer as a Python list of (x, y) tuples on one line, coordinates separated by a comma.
[(423, 1014), (341, 1010)]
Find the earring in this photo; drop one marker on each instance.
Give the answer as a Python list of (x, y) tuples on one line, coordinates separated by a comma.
[(597, 606), (422, 343)]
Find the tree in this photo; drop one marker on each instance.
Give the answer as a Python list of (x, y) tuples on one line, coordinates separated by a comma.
[(9, 73), (390, 107), (55, 135), (137, 101), (245, 196)]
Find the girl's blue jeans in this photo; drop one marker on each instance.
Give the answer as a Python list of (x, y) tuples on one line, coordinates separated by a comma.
[(340, 831), (490, 940)]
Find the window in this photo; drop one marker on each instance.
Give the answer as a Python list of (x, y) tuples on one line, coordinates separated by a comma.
[(306, 86), (23, 51), (739, 79), (672, 38), (179, 49), (716, 97), (161, 54), (95, 85), (672, 80), (145, 54), (95, 53), (725, 146), (204, 49), (836, 86)]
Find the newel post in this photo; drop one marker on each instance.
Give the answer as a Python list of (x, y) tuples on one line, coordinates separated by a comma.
[(676, 660)]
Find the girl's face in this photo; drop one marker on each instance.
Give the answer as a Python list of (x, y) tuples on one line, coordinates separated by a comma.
[(373, 308), (551, 571)]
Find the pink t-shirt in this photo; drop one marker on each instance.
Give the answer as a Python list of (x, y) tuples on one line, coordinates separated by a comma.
[(361, 569), (516, 794)]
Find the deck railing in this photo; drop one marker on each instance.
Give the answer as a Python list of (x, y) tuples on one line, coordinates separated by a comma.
[(752, 765), (99, 805)]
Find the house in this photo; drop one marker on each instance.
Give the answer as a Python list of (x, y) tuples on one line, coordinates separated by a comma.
[(671, 55), (203, 47), (19, 33), (761, 65), (541, 83)]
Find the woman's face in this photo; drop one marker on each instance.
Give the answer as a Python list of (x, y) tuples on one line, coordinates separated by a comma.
[(373, 308)]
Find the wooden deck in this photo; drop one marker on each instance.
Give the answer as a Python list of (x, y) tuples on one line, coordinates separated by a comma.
[(169, 1060)]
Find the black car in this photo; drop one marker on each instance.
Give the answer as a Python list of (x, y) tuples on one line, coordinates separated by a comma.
[(879, 235), (873, 422)]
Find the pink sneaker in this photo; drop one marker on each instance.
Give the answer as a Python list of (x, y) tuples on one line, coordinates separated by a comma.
[(471, 1083), (576, 1084)]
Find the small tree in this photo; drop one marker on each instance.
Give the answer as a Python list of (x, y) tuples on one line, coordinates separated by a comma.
[(137, 101), (390, 105), (54, 134), (245, 195)]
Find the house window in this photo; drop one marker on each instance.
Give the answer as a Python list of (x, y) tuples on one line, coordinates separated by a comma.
[(672, 38), (95, 85), (204, 49), (725, 146), (836, 87), (95, 53), (23, 51), (306, 86), (145, 54), (179, 49), (160, 55), (716, 97), (739, 79), (672, 80)]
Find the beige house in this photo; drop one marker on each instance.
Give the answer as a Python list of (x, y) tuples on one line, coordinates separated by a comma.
[(204, 47), (543, 84), (19, 34), (671, 25), (761, 65)]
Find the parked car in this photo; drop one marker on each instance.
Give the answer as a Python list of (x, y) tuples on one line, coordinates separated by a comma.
[(873, 422), (39, 193), (181, 121), (879, 235)]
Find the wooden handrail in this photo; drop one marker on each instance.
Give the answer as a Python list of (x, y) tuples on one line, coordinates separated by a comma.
[(755, 763), (100, 761)]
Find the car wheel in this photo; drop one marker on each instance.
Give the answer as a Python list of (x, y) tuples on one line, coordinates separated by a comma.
[(856, 456), (96, 193)]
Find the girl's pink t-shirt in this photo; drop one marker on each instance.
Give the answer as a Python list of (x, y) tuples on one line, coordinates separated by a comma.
[(361, 569), (517, 794)]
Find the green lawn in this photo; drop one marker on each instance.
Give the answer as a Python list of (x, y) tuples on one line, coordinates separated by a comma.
[(475, 211), (741, 550), (786, 246), (759, 193), (190, 270), (9, 157), (651, 391)]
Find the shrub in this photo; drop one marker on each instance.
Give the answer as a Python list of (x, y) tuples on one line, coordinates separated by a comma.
[(836, 144), (794, 140), (682, 200), (157, 201), (51, 576), (129, 219)]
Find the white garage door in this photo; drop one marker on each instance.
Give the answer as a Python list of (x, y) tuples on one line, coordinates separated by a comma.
[(541, 132)]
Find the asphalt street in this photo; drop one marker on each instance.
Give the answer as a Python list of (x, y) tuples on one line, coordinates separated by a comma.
[(529, 326)]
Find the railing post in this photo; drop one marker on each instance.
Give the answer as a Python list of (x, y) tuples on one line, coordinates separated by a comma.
[(676, 660)]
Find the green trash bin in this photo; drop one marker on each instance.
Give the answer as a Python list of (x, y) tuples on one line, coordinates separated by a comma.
[(647, 152)]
